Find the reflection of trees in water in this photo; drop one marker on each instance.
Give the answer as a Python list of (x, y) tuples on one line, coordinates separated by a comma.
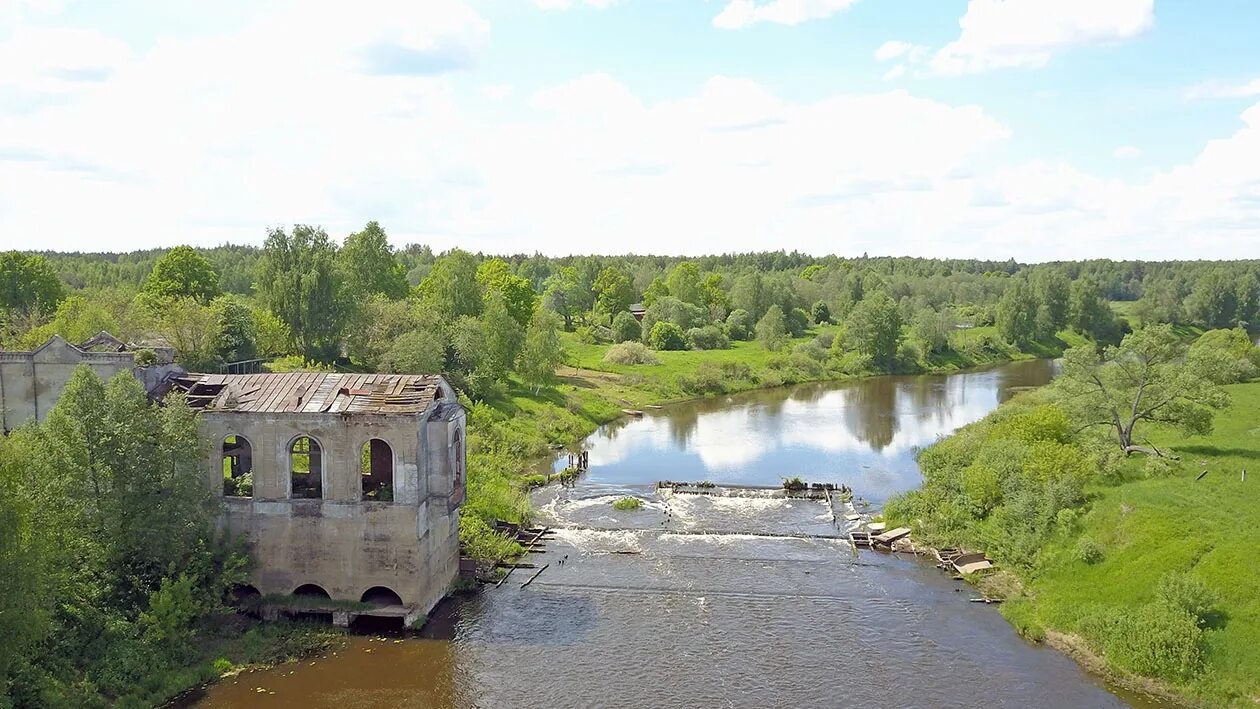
[(1020, 376), (683, 421), (934, 398), (870, 411)]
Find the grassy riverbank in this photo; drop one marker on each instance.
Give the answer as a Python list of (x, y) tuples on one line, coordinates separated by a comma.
[(513, 435), (1147, 575)]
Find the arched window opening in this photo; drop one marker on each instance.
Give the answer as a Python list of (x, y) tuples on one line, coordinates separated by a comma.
[(376, 468), (306, 466), (238, 467), (246, 598), (381, 597), (310, 590)]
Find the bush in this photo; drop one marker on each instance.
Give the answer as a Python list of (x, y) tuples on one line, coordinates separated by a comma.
[(711, 378), (1088, 551), (820, 313), (709, 337), (739, 325), (628, 504), (667, 336), (481, 542), (797, 321), (1179, 590), (630, 353), (1157, 641), (145, 357), (626, 328)]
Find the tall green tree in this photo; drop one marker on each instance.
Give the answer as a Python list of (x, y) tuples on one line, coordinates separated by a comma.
[(1090, 314), (1147, 378), (874, 328), (451, 289), (614, 291), (1017, 313), (300, 282), (772, 329), (543, 351), (684, 283), (28, 284), (1053, 292), (183, 272), (370, 265), (1214, 301), (518, 293), (561, 295)]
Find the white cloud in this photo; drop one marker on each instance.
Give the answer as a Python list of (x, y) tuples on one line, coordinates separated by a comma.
[(1126, 152), (895, 72), (895, 49), (568, 4), (215, 139), (738, 14), (1220, 89), (1009, 33)]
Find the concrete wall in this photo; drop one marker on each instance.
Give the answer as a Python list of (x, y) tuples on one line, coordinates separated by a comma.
[(31, 382), (341, 543)]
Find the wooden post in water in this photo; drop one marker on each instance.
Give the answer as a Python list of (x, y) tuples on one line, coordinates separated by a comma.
[(536, 573)]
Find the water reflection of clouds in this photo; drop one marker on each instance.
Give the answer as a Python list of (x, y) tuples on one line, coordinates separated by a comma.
[(874, 424)]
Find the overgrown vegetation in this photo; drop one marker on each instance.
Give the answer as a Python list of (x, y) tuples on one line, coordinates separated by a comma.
[(627, 504), (116, 583), (1121, 545)]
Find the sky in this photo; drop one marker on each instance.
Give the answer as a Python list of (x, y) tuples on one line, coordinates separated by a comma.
[(1032, 129)]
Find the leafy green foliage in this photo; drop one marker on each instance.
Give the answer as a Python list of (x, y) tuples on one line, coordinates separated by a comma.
[(121, 565), (370, 266), (1145, 379), (299, 280), (28, 284), (183, 272), (874, 329), (451, 289), (627, 504), (630, 353), (625, 327), (667, 336), (772, 329), (543, 351), (495, 276)]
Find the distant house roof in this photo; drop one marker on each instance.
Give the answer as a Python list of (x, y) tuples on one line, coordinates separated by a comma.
[(311, 392), (105, 341), (637, 308)]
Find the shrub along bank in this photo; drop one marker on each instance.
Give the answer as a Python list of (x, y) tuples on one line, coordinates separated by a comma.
[(1144, 565)]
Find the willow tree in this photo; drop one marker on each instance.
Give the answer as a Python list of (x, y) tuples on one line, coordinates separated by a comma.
[(1148, 378), (300, 282)]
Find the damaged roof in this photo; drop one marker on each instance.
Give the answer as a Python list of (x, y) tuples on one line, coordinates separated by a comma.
[(310, 392)]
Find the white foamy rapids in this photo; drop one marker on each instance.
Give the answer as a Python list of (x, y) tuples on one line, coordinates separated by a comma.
[(594, 541)]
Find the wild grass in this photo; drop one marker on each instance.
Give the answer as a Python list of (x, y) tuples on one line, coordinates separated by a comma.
[(627, 504), (1151, 529)]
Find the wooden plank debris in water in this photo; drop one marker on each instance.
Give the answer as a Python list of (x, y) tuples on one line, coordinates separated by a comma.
[(971, 563), (891, 536), (876, 527), (536, 573)]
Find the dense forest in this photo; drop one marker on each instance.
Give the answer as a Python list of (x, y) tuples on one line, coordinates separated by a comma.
[(122, 576)]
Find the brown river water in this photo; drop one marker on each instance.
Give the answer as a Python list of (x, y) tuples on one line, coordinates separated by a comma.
[(745, 600)]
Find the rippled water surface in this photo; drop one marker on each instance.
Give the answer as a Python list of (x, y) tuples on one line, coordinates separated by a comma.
[(742, 599)]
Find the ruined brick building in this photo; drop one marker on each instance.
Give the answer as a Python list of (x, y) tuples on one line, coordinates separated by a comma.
[(347, 485)]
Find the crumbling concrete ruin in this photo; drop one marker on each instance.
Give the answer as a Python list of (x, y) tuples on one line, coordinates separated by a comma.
[(347, 485)]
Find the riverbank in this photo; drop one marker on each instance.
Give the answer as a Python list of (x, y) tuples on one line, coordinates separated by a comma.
[(511, 436), (1107, 579)]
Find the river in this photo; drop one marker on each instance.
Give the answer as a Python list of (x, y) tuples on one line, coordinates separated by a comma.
[(729, 601)]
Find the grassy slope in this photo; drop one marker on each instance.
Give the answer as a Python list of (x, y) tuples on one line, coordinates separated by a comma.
[(1150, 527)]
